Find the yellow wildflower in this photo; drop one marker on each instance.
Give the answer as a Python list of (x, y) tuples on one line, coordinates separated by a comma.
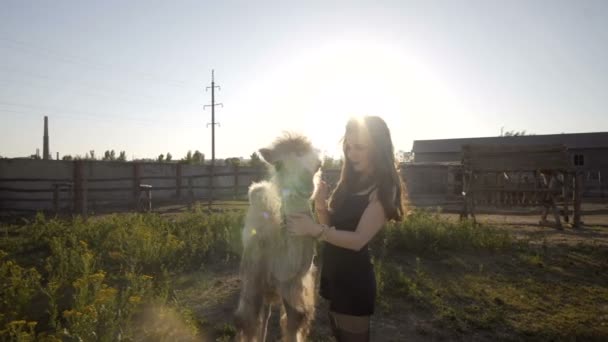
[(105, 295), (115, 255), (19, 322), (69, 313), (135, 299)]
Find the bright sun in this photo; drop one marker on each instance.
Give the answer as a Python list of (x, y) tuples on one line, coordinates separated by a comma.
[(321, 88)]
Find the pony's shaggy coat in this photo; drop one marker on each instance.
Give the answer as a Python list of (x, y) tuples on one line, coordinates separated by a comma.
[(275, 266)]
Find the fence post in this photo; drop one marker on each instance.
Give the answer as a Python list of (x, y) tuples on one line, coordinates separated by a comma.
[(578, 184), (236, 181), (211, 188), (136, 182), (80, 188), (178, 180), (56, 198), (190, 193)]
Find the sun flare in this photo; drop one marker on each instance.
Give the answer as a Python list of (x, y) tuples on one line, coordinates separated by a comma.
[(316, 91)]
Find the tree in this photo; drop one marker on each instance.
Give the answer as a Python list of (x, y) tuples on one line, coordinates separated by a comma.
[(234, 162), (161, 157), (67, 157), (198, 157), (109, 155), (168, 157), (122, 157), (254, 160)]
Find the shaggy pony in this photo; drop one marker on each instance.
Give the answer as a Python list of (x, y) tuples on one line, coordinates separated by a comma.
[(275, 266)]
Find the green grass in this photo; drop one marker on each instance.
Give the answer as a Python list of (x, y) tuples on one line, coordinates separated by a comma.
[(149, 277), (91, 280), (477, 281)]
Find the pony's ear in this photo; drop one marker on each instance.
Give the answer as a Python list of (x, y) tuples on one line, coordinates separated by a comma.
[(267, 155)]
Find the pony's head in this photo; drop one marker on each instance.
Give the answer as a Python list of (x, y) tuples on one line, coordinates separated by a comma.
[(294, 163)]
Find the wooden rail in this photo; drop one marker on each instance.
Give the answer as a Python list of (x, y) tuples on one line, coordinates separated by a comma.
[(76, 190), (521, 175)]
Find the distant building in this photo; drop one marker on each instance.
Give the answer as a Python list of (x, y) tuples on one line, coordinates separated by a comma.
[(434, 172), (589, 150)]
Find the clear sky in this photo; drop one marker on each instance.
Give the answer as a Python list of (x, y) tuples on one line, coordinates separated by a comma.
[(131, 75)]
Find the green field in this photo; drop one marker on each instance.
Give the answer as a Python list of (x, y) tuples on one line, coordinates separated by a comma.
[(155, 277)]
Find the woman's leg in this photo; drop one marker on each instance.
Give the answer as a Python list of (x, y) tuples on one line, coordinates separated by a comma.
[(333, 325), (350, 328)]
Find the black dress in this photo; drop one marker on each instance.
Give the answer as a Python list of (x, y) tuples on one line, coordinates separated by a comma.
[(347, 276)]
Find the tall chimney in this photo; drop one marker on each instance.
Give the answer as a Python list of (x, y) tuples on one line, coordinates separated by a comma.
[(45, 149)]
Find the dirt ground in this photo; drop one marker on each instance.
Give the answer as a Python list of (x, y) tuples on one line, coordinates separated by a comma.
[(593, 231), (214, 300)]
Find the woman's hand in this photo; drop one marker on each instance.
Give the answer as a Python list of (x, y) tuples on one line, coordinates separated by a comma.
[(320, 195), (302, 225)]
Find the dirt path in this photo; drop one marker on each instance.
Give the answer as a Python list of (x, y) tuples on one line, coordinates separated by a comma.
[(594, 230)]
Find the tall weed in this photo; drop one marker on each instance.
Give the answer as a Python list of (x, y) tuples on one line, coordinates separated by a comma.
[(424, 232)]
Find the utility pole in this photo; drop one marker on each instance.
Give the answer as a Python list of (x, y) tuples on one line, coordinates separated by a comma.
[(213, 123)]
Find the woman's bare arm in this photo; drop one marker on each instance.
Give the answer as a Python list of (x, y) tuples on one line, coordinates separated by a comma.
[(322, 214), (371, 222)]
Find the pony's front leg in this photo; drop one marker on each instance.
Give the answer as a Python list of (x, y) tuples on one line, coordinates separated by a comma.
[(248, 317), (299, 307), (266, 312), (252, 319), (294, 324), (251, 312)]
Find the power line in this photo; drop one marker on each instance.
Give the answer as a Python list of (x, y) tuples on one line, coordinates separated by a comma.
[(82, 115), (83, 85), (68, 116), (70, 59), (114, 97), (105, 119), (58, 109)]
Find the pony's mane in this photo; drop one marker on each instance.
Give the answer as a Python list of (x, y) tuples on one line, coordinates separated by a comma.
[(291, 143)]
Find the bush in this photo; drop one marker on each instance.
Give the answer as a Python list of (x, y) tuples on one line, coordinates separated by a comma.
[(97, 275), (423, 232)]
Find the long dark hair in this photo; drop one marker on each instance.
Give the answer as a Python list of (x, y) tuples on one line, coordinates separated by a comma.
[(389, 184)]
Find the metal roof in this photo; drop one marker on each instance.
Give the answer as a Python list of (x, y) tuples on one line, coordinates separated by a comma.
[(571, 140)]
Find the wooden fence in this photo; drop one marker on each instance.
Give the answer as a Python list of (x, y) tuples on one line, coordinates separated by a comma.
[(536, 175), (78, 186), (76, 192)]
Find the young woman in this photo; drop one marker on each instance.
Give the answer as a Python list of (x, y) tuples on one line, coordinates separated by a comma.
[(369, 193)]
